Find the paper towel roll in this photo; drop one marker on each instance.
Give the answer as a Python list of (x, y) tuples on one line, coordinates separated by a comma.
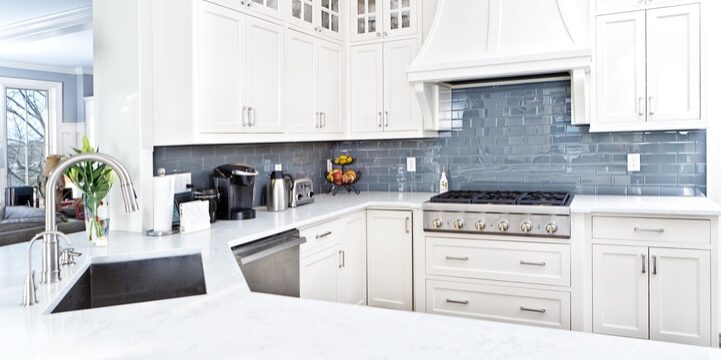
[(163, 197)]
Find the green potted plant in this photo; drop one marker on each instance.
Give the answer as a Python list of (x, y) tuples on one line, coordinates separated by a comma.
[(94, 179)]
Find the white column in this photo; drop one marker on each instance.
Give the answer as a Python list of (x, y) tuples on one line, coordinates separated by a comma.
[(122, 70)]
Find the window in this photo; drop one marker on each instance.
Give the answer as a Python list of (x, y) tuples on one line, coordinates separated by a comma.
[(29, 114)]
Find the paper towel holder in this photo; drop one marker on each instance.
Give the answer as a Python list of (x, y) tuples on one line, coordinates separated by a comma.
[(174, 229)]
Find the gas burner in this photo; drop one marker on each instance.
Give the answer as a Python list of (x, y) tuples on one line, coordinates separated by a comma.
[(497, 197), (545, 198)]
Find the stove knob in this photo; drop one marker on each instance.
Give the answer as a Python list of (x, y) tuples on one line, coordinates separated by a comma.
[(480, 225), (437, 223), (458, 224), (503, 225), (551, 228), (526, 226)]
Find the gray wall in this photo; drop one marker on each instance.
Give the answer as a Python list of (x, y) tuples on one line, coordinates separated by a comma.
[(507, 137), (75, 87)]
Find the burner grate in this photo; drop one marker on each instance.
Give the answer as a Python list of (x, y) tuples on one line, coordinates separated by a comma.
[(544, 198)]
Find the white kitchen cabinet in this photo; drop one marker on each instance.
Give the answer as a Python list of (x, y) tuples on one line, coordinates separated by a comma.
[(381, 19), (382, 99), (352, 278), (264, 53), (268, 7), (333, 260), (314, 84), (390, 254), (673, 62), (319, 275), (620, 290), (621, 70), (221, 69), (680, 294), (319, 17), (240, 68), (648, 70)]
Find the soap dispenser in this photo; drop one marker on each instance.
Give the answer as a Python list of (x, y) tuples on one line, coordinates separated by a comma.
[(443, 183)]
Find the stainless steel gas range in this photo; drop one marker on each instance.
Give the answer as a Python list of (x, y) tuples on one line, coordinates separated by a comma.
[(536, 213)]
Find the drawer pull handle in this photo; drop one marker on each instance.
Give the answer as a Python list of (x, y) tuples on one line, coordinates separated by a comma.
[(541, 310), (638, 229), (461, 258), (643, 263), (462, 302), (320, 236), (654, 264), (542, 263)]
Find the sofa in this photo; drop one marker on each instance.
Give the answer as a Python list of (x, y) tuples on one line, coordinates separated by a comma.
[(21, 223)]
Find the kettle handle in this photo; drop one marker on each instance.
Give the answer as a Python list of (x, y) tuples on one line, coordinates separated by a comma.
[(292, 181)]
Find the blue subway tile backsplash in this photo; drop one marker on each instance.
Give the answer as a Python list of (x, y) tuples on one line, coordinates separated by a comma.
[(509, 137)]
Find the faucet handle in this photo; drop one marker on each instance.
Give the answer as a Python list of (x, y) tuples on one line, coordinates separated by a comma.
[(68, 255)]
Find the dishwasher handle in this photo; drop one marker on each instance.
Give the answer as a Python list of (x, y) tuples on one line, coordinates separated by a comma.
[(263, 248)]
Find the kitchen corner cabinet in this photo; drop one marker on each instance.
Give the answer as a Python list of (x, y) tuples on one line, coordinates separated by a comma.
[(240, 72), (333, 261), (651, 292), (648, 70), (390, 253), (383, 19), (314, 93), (382, 99)]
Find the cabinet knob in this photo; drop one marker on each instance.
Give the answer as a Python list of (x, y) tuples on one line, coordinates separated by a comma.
[(378, 34), (385, 33)]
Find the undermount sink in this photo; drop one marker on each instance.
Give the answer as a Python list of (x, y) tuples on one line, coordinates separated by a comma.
[(128, 282)]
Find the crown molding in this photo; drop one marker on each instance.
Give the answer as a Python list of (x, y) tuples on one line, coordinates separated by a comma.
[(46, 68), (52, 25)]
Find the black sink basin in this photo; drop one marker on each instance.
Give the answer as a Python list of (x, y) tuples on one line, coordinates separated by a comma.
[(117, 283)]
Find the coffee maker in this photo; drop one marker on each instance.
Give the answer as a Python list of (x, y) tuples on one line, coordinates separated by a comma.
[(235, 185)]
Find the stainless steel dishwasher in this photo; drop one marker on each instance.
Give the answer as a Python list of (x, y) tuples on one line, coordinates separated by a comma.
[(272, 265)]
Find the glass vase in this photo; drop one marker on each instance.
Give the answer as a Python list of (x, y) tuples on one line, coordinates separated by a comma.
[(97, 219)]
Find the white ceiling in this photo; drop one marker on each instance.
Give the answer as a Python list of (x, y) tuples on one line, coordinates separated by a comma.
[(66, 51)]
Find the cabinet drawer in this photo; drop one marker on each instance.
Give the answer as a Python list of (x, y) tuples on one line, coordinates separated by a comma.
[(651, 229), (320, 236), (547, 264), (499, 303)]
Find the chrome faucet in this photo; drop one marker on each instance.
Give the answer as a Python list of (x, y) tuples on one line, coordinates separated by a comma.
[(51, 246)]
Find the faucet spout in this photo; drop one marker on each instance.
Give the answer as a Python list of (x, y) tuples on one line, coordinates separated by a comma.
[(51, 246)]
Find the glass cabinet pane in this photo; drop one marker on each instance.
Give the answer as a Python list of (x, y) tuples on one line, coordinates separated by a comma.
[(399, 14), (308, 13), (329, 15)]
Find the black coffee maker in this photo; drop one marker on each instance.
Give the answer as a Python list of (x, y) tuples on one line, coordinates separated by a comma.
[(235, 185)]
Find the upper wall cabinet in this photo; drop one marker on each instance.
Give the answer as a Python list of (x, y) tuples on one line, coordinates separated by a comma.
[(612, 6), (378, 19), (648, 70), (320, 16)]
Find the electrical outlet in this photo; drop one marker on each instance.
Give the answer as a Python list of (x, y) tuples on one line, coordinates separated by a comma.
[(411, 164), (182, 180), (634, 162)]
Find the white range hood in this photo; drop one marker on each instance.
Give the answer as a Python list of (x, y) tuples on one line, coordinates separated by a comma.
[(491, 39)]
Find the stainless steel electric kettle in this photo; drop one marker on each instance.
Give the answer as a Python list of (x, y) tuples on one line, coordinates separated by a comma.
[(279, 189)]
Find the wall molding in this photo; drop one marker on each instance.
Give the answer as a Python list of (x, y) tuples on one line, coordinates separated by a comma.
[(46, 68), (65, 22)]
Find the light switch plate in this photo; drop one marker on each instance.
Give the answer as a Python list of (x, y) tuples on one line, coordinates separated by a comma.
[(411, 164), (182, 180), (634, 162)]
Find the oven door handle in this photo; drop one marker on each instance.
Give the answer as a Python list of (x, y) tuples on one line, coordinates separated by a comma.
[(244, 260)]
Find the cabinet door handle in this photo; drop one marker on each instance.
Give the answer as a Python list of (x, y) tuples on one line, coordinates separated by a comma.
[(462, 302), (658, 230), (341, 259), (385, 33), (380, 115), (651, 101), (386, 120), (643, 263), (408, 228), (539, 310), (378, 34), (540, 263), (251, 119), (640, 106), (654, 264), (317, 119), (322, 119), (243, 117), (460, 258), (320, 236)]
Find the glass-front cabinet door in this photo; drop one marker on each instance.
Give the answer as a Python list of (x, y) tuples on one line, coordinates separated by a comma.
[(399, 17), (303, 13), (380, 19), (330, 18), (268, 7), (365, 22)]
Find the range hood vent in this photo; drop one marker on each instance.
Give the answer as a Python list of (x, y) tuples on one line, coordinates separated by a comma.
[(477, 40)]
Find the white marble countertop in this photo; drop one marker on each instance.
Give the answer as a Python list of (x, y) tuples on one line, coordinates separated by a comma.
[(646, 205), (231, 322)]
